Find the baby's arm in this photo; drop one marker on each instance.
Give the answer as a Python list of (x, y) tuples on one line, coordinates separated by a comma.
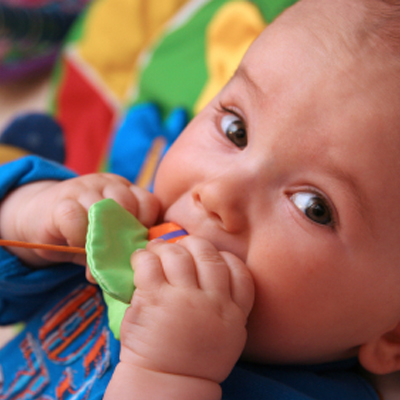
[(186, 326), (54, 212)]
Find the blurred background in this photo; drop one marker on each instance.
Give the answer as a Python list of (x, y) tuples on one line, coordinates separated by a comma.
[(31, 35)]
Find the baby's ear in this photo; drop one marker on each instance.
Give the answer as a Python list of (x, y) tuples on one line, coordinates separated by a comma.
[(382, 356)]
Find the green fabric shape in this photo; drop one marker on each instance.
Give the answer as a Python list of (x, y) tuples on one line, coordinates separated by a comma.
[(113, 235), (272, 8), (176, 71), (115, 312)]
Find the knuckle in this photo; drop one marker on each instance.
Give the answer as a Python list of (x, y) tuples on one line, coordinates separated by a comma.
[(109, 175), (176, 250), (97, 180), (68, 211), (140, 256), (167, 250), (211, 257)]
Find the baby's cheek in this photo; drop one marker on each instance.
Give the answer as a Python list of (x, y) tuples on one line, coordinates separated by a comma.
[(163, 177), (168, 182)]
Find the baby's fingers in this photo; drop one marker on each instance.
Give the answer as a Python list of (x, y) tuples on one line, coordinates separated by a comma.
[(147, 206), (149, 274), (212, 270), (138, 201), (242, 284), (178, 265), (69, 222), (221, 273), (65, 225)]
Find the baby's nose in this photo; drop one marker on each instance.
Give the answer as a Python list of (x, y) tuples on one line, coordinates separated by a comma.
[(224, 201)]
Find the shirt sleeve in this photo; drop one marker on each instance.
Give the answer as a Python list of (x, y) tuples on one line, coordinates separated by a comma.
[(23, 289)]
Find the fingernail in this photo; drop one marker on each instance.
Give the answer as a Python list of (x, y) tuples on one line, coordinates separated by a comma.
[(138, 250), (157, 240)]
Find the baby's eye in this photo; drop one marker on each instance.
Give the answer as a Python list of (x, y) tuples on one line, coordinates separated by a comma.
[(235, 130), (314, 207)]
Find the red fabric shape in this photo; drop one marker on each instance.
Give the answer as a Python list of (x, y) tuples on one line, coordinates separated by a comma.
[(86, 119)]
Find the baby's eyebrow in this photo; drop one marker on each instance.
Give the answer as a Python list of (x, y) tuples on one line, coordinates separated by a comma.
[(243, 74)]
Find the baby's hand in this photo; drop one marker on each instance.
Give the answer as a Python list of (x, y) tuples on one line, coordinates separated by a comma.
[(54, 212), (189, 310)]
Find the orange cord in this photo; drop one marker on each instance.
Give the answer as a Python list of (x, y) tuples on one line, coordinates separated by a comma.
[(154, 232), (64, 249)]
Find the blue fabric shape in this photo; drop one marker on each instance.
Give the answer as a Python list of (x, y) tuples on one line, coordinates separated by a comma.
[(37, 133), (135, 138), (30, 169)]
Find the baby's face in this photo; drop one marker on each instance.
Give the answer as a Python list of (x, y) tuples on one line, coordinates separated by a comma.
[(295, 168)]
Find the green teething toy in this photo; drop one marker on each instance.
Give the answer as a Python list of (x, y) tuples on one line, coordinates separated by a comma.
[(113, 235)]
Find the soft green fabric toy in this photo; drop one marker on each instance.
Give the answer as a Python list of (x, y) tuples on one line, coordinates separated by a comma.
[(113, 235)]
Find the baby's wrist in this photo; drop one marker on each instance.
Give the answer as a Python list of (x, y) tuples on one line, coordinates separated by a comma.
[(16, 216), (13, 209), (133, 382)]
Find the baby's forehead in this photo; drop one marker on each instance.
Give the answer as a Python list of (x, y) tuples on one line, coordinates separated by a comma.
[(351, 62), (341, 31)]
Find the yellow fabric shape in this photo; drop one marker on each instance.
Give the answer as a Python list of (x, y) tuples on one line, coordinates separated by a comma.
[(229, 35), (115, 33), (150, 164)]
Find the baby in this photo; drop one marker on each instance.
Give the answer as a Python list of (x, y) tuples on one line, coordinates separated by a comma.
[(287, 183)]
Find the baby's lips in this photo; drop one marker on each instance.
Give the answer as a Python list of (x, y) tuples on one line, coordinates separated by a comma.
[(168, 231)]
